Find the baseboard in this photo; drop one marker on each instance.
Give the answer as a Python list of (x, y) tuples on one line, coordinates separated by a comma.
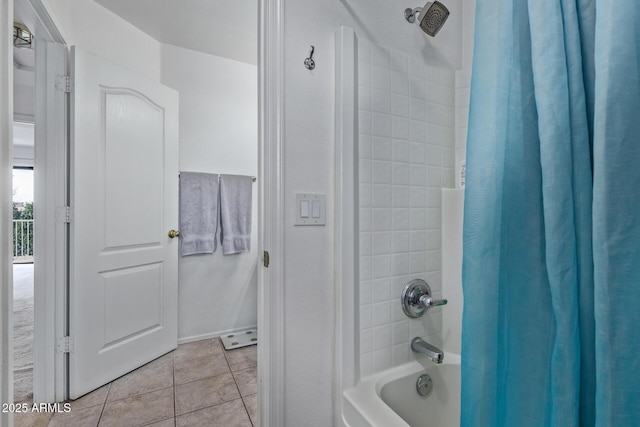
[(193, 338)]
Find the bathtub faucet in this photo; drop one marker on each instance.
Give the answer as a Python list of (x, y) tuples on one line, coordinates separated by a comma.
[(419, 345)]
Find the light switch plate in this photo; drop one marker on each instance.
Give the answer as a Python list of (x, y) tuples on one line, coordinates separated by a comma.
[(316, 208)]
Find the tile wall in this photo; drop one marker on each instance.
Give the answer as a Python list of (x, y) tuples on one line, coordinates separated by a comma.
[(407, 154)]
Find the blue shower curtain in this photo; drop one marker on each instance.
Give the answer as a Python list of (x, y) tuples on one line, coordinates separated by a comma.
[(551, 269)]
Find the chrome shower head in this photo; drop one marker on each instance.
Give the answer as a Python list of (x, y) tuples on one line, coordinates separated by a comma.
[(431, 17)]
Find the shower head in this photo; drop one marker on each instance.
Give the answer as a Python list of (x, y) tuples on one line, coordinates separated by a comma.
[(431, 17)]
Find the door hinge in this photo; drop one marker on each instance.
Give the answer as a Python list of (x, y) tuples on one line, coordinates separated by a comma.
[(64, 214), (64, 84), (265, 258), (64, 345)]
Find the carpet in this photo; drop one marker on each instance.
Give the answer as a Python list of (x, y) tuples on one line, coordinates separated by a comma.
[(23, 332)]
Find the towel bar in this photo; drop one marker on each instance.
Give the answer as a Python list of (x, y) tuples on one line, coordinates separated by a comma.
[(253, 178)]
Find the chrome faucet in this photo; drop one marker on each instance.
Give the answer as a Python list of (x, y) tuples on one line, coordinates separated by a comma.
[(418, 345), (416, 298)]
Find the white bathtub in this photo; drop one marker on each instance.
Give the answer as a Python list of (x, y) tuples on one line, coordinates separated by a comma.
[(390, 399)]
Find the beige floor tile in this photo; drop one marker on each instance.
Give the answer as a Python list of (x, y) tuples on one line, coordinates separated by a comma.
[(96, 397), (206, 392), (32, 419), (171, 422), (242, 358), (197, 369), (229, 414), (251, 403), (86, 417), (139, 410), (155, 375), (247, 381), (197, 349)]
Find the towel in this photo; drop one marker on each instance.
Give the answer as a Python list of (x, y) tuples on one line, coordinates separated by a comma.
[(198, 213), (235, 213)]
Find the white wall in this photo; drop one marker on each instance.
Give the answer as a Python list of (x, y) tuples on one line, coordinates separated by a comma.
[(218, 134), (23, 141), (308, 251), (90, 26), (23, 94)]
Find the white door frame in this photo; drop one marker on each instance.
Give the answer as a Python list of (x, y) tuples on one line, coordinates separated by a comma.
[(6, 211), (50, 234), (347, 276), (271, 360)]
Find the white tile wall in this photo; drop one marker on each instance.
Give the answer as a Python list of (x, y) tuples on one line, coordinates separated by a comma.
[(407, 153)]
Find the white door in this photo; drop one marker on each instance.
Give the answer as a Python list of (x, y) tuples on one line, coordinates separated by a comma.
[(124, 200)]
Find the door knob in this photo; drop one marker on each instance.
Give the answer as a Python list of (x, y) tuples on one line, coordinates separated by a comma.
[(173, 233)]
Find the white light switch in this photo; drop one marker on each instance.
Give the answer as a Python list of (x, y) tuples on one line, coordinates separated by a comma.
[(304, 209), (315, 209), (310, 209)]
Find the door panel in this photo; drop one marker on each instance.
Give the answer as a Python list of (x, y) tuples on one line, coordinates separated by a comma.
[(124, 198), (142, 303), (132, 126)]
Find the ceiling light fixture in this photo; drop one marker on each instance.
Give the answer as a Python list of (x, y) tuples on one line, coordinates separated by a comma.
[(22, 37)]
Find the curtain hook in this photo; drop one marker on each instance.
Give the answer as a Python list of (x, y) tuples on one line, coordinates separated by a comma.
[(309, 62)]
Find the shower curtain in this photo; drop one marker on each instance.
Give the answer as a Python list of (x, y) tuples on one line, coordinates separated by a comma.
[(551, 268)]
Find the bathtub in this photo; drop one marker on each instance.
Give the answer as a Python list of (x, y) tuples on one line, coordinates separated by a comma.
[(390, 399)]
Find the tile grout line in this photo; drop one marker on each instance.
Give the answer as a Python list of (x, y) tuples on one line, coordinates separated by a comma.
[(238, 388), (104, 404), (239, 392), (199, 379), (204, 378), (140, 394), (212, 406), (246, 409), (224, 352)]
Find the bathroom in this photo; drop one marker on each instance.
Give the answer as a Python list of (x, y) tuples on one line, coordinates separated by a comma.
[(310, 106), (327, 322), (324, 263)]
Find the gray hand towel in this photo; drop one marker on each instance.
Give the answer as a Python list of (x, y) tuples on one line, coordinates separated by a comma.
[(198, 213), (235, 213)]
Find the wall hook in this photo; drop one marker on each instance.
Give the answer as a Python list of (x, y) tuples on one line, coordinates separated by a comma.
[(309, 62)]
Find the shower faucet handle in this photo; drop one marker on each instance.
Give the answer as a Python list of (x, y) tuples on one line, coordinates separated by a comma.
[(428, 302), (416, 298)]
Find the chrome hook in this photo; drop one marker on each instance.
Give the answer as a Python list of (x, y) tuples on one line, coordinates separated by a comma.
[(309, 62)]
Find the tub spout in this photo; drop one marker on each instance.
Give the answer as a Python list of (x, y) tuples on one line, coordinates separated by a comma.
[(419, 345)]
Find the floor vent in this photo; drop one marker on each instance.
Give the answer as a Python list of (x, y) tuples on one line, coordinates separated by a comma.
[(240, 339)]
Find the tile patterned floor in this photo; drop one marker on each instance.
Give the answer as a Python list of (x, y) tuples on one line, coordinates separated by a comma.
[(198, 384)]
